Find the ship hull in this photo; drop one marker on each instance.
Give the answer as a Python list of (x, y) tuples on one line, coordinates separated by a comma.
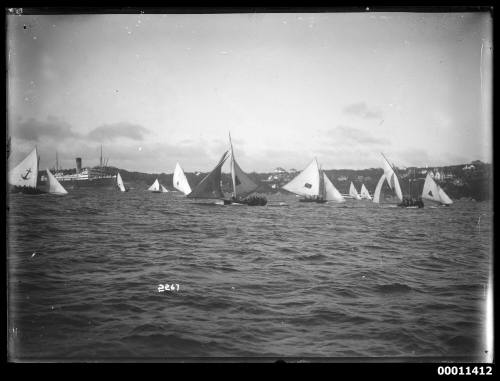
[(108, 183)]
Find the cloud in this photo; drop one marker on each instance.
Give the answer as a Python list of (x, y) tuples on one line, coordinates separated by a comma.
[(361, 109), (349, 135), (110, 132), (34, 130)]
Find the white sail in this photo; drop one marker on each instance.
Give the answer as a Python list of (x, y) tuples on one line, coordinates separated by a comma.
[(392, 179), (331, 193), (163, 189), (25, 174), (306, 183), (210, 186), (155, 187), (353, 192), (364, 193), (54, 186), (376, 195), (119, 182), (180, 181), (432, 191)]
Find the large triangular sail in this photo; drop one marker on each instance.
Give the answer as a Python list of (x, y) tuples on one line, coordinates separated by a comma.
[(163, 189), (353, 192), (306, 183), (364, 193), (331, 193), (155, 187), (242, 184), (392, 179), (210, 186), (54, 186), (432, 191), (180, 181), (378, 189), (119, 182), (25, 174)]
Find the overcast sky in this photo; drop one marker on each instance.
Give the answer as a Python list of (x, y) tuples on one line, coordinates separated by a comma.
[(156, 89)]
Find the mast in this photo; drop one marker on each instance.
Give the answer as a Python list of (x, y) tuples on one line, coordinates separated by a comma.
[(100, 159), (57, 163), (233, 178)]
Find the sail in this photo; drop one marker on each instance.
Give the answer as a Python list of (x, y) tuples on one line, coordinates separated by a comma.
[(180, 181), (119, 182), (163, 189), (54, 186), (392, 179), (376, 195), (210, 186), (364, 193), (25, 174), (155, 187), (331, 193), (434, 192), (353, 192), (306, 183), (242, 184)]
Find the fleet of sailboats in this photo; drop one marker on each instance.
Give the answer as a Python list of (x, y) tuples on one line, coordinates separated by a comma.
[(311, 184)]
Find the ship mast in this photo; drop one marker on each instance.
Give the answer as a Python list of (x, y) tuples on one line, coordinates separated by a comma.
[(100, 160)]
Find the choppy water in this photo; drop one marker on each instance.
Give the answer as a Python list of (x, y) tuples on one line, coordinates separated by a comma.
[(307, 280)]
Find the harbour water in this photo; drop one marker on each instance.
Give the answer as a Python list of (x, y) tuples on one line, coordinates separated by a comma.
[(302, 279)]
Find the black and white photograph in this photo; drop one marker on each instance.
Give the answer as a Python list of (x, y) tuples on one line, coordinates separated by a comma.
[(233, 185)]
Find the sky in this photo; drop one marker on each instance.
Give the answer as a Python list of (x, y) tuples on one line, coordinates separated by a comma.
[(156, 89)]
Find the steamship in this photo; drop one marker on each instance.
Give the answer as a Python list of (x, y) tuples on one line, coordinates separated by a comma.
[(100, 176)]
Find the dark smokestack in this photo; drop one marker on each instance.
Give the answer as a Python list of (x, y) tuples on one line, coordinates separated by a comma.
[(78, 164)]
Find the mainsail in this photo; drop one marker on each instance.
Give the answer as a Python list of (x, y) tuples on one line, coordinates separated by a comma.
[(155, 187), (180, 181), (353, 192), (306, 183), (25, 174), (242, 184), (163, 189), (210, 186), (119, 182), (364, 193), (432, 191), (392, 179), (378, 188), (54, 186), (331, 193)]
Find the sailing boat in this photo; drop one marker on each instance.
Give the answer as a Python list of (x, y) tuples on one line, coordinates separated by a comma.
[(390, 176), (180, 181), (313, 184), (54, 186), (353, 192), (433, 192), (119, 183), (156, 187), (364, 193), (24, 177), (243, 186), (210, 186)]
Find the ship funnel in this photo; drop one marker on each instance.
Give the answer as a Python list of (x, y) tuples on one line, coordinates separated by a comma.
[(78, 164)]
